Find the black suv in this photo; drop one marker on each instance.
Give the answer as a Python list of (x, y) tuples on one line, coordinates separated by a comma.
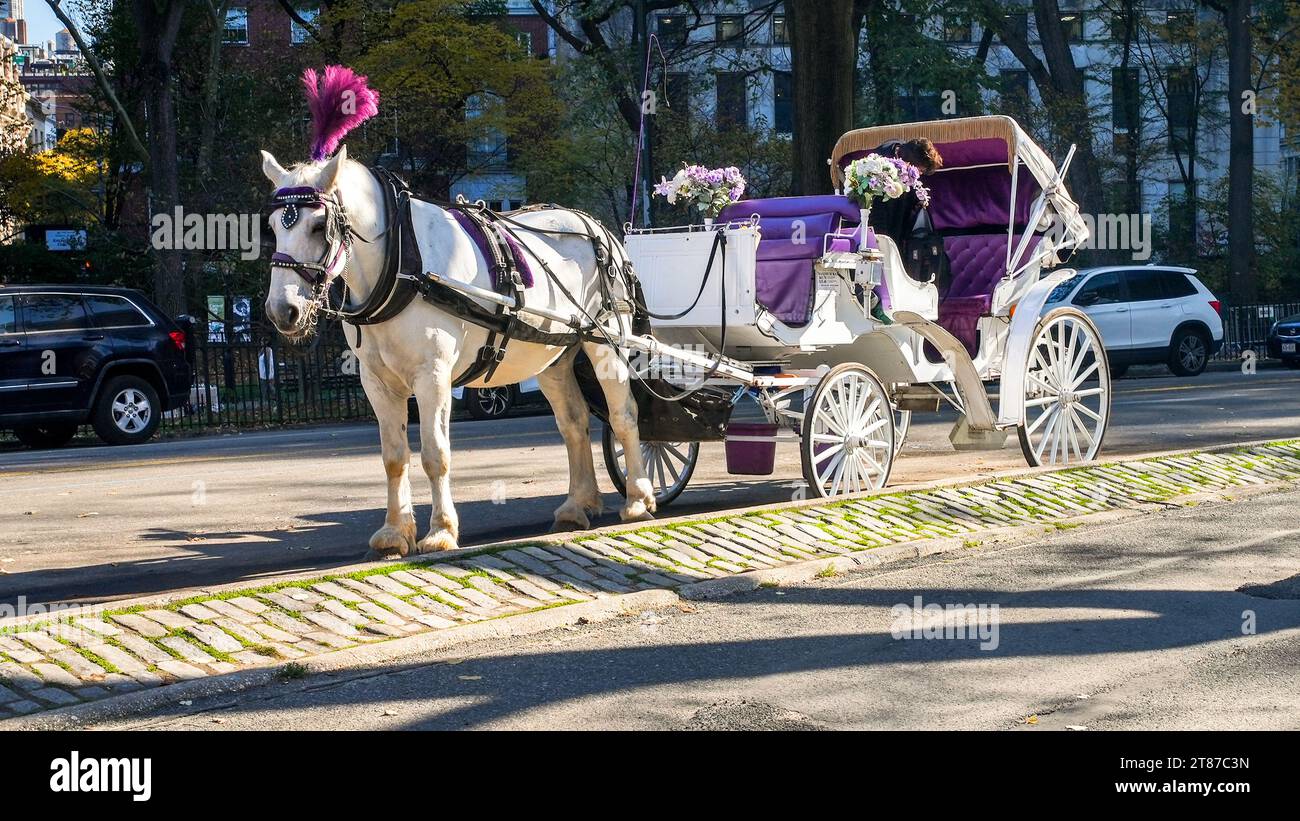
[(74, 354)]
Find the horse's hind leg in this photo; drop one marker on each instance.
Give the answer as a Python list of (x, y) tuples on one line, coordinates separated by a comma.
[(433, 393), (398, 532), (615, 381), (560, 387)]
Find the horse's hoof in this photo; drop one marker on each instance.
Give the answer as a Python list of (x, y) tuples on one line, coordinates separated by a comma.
[(436, 542), (571, 516), (637, 512), (568, 525), (388, 540)]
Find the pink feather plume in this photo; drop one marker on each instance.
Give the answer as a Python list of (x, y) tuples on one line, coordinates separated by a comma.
[(339, 101)]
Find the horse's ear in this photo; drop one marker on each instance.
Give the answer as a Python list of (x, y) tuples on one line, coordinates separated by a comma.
[(271, 168), (329, 173)]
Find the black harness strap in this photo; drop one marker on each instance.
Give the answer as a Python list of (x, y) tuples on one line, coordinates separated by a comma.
[(391, 294)]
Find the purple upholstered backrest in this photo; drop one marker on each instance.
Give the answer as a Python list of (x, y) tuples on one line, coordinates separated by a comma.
[(974, 198), (977, 263), (784, 276)]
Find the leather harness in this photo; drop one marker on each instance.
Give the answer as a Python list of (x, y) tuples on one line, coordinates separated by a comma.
[(402, 275)]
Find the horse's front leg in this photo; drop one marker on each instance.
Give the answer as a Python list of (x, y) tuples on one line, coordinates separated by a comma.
[(433, 393), (398, 532)]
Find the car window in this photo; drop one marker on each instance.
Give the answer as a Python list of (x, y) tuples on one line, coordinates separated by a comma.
[(1103, 289), (115, 312), (1144, 286), (8, 319), (1063, 290), (54, 312), (1177, 284)]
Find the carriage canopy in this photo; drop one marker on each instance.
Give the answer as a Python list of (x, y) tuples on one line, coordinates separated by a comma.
[(977, 142)]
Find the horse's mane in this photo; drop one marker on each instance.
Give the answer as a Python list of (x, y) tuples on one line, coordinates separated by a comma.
[(339, 101)]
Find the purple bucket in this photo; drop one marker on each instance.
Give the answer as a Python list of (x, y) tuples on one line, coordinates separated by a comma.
[(751, 448)]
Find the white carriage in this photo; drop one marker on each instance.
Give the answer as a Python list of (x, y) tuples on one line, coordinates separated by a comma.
[(838, 333)]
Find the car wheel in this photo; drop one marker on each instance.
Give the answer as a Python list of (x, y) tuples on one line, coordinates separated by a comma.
[(1293, 364), (127, 411), (46, 434), (489, 403), (1188, 353)]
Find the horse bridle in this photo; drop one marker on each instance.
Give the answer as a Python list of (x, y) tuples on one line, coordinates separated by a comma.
[(338, 238)]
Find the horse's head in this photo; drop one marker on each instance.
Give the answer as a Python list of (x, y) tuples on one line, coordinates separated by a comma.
[(311, 240)]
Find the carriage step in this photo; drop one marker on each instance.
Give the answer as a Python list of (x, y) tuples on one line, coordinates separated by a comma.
[(965, 438), (918, 398)]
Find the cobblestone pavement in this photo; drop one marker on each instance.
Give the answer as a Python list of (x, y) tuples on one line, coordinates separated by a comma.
[(85, 657)]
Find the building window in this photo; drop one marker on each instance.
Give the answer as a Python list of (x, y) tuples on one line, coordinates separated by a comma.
[(487, 144), (672, 29), (1013, 88), (525, 41), (1018, 23), (298, 34), (733, 100), (729, 30), (1180, 91), (955, 30), (1072, 25), (1119, 28), (780, 34), (1124, 98), (917, 105), (236, 27), (783, 96), (679, 93)]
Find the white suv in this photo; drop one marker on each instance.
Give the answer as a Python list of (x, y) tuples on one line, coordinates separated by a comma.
[(1147, 315)]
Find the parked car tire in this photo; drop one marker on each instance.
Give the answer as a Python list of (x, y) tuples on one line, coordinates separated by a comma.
[(1293, 364), (127, 411), (46, 434), (1189, 352), (490, 403)]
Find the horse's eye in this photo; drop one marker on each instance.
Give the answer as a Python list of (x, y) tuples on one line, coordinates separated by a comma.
[(318, 228)]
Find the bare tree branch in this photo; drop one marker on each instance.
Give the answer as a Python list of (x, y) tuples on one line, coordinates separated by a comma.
[(133, 136)]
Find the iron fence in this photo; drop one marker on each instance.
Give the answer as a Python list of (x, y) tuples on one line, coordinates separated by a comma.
[(250, 385), (1246, 327)]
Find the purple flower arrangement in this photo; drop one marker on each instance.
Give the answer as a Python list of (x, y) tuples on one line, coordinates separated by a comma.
[(703, 190), (887, 178)]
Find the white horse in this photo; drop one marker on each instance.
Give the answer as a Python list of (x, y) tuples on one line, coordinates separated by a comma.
[(422, 349)]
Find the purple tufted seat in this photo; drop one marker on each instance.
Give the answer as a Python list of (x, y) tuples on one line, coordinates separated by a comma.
[(784, 276), (977, 262)]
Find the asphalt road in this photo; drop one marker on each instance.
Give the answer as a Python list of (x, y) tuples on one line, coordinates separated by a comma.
[(1187, 619), (90, 524)]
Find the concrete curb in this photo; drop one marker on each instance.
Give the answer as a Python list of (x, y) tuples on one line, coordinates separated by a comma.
[(524, 624)]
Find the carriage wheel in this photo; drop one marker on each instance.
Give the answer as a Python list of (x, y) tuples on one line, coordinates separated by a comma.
[(1067, 391), (902, 421), (848, 433), (669, 465)]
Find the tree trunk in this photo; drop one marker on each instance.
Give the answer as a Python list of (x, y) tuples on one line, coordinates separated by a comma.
[(1241, 156), (823, 56), (1069, 105), (157, 29)]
